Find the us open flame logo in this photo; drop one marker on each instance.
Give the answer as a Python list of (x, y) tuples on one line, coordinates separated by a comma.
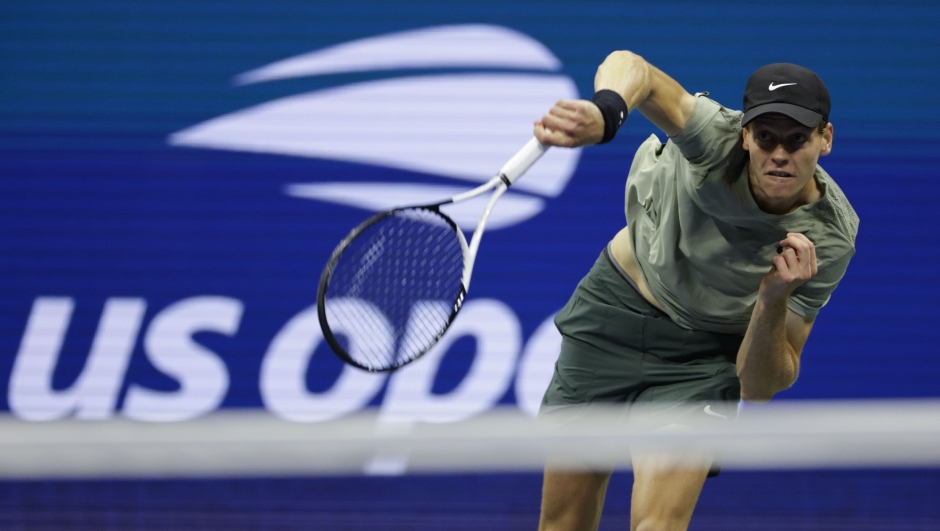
[(457, 126)]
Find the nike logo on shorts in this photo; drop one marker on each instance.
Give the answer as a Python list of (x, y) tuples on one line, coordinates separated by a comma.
[(708, 411)]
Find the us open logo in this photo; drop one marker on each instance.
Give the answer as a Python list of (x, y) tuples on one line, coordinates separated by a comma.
[(460, 127)]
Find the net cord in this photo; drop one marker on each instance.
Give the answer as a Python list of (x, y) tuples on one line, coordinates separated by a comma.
[(789, 435)]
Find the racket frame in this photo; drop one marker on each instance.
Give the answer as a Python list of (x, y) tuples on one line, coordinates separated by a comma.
[(507, 175)]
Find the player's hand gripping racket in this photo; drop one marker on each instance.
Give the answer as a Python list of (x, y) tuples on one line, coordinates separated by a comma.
[(397, 281)]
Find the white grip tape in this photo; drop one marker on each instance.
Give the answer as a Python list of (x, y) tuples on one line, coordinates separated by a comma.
[(521, 161)]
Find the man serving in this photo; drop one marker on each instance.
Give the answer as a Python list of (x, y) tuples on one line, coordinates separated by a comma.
[(735, 240)]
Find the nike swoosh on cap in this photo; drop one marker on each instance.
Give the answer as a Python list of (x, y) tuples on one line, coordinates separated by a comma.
[(773, 87)]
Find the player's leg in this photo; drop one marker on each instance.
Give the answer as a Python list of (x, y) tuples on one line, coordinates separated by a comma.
[(604, 330), (667, 483), (665, 490), (572, 500)]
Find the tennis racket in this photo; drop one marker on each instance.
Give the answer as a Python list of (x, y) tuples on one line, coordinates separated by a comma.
[(397, 281)]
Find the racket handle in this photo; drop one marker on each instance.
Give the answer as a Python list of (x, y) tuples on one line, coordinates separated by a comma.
[(524, 158)]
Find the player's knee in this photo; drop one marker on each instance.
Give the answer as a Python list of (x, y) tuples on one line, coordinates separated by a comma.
[(561, 522), (565, 517), (663, 518), (654, 525), (668, 522), (550, 519), (572, 500)]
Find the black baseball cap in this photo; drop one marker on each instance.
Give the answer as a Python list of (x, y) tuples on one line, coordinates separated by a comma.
[(787, 89)]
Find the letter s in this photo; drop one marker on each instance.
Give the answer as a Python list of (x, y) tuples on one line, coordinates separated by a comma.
[(202, 376)]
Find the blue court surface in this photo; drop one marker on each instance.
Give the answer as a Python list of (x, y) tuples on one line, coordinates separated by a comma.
[(897, 500)]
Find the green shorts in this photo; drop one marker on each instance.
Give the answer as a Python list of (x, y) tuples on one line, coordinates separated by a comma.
[(617, 348)]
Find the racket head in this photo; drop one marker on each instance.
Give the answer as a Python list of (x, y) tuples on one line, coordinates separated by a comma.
[(392, 287)]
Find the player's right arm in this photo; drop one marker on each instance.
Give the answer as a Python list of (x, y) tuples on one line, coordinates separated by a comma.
[(573, 123)]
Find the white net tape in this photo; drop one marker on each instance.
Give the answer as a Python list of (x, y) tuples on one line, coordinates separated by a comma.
[(787, 435)]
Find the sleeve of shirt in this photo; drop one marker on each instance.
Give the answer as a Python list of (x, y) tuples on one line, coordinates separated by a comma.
[(709, 135), (809, 298)]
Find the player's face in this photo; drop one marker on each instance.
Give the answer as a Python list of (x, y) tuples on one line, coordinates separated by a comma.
[(783, 155)]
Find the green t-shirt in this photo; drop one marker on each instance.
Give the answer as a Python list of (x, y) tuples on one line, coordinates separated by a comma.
[(704, 245)]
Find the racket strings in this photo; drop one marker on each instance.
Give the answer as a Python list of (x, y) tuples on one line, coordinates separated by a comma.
[(392, 290)]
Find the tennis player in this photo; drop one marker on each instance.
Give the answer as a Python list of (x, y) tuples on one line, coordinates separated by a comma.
[(735, 240)]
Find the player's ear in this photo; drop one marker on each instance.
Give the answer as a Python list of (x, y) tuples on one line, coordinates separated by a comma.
[(745, 135), (827, 140)]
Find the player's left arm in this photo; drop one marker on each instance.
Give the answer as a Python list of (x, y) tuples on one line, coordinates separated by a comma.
[(769, 358)]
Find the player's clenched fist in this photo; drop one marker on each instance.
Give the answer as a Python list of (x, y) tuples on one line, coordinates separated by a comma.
[(571, 123), (791, 268)]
